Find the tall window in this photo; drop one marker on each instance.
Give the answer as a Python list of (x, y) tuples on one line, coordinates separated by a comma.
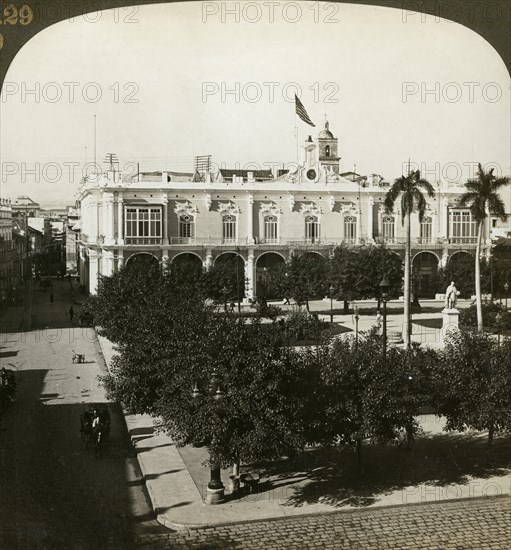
[(426, 230), (389, 228), (143, 225), (312, 229), (186, 227), (270, 229), (229, 229), (463, 228), (327, 151), (350, 229)]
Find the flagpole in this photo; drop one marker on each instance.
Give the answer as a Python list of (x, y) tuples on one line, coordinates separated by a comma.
[(296, 137)]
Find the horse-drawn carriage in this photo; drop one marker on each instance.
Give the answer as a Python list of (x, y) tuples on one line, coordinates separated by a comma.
[(95, 428), (78, 357)]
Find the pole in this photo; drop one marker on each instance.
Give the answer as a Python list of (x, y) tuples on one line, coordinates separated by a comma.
[(356, 329), (331, 310), (94, 142), (384, 329)]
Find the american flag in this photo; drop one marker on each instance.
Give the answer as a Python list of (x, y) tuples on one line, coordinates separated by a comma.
[(302, 113)]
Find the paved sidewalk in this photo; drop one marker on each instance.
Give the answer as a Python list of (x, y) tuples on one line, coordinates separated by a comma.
[(177, 497)]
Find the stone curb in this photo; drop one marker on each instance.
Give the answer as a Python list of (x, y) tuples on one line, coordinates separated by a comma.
[(198, 507), (150, 484)]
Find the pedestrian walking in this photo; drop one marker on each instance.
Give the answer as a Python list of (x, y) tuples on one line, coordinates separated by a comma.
[(51, 299), (71, 313)]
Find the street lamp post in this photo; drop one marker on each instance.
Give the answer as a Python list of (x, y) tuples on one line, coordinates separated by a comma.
[(384, 288), (356, 324), (225, 292), (506, 290), (498, 320), (331, 290), (215, 492)]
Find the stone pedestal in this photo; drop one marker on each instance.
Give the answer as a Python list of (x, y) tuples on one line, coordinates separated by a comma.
[(450, 321), (215, 496)]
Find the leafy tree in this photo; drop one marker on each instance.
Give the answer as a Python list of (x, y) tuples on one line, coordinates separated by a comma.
[(460, 269), (306, 278), (170, 342), (343, 273), (225, 280), (366, 396), (374, 262), (483, 199), (474, 383), (409, 188)]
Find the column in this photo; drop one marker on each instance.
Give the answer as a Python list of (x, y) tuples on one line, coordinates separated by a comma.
[(120, 220), (93, 212), (358, 226), (370, 208), (250, 219), (107, 263), (93, 271), (108, 218), (249, 274), (120, 259), (434, 227), (443, 222), (165, 220), (208, 262), (81, 259)]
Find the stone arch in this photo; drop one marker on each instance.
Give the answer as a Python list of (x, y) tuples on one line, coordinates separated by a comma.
[(460, 269), (461, 256), (188, 255), (266, 263), (224, 256), (424, 267), (142, 260), (187, 264), (315, 252)]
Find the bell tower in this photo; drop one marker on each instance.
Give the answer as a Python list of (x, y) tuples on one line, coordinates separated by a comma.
[(328, 151)]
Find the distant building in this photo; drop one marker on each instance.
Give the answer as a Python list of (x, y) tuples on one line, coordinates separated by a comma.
[(72, 231), (166, 217), (25, 206)]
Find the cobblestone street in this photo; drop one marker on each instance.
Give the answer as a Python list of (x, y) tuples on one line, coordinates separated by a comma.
[(463, 525)]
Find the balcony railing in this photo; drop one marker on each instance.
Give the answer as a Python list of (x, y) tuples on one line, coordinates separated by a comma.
[(463, 240), (143, 240), (182, 241)]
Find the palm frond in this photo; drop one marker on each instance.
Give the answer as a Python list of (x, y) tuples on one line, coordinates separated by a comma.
[(421, 204), (430, 190), (474, 186), (468, 198), (497, 207), (497, 183)]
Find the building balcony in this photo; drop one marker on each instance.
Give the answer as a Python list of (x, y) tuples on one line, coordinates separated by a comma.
[(463, 240), (143, 240), (183, 241)]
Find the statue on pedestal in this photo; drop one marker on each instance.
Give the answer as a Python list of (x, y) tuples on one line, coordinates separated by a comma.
[(451, 296)]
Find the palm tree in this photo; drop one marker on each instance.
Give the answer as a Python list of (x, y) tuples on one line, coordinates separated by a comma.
[(482, 198), (409, 187)]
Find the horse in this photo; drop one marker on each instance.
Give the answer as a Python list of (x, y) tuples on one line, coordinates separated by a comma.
[(86, 428), (99, 438)]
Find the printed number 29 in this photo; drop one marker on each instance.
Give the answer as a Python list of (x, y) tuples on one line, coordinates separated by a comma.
[(11, 14)]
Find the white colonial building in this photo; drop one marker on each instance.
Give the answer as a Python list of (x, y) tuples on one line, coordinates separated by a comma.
[(262, 218)]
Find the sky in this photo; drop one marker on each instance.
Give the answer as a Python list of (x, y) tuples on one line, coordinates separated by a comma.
[(168, 82)]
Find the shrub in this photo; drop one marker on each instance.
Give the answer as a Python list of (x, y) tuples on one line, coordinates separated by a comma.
[(468, 317), (302, 325)]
